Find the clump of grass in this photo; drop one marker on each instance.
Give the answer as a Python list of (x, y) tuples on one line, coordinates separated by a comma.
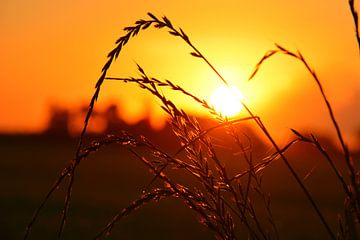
[(224, 201)]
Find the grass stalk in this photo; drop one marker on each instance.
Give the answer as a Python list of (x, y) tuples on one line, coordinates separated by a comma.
[(220, 196), (355, 16)]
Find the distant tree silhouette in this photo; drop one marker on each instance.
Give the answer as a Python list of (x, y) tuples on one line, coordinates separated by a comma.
[(58, 124), (113, 122)]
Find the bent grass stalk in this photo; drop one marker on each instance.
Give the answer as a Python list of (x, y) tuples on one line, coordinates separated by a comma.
[(169, 107), (212, 207), (353, 193), (355, 16)]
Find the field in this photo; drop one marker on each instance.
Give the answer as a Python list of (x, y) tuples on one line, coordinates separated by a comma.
[(110, 179), (30, 165)]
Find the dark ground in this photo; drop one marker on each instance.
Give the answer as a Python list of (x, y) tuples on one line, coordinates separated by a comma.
[(111, 179)]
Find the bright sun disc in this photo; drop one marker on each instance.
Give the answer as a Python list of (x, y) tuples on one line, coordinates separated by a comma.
[(227, 101)]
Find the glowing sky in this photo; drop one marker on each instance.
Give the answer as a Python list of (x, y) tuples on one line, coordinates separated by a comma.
[(52, 53)]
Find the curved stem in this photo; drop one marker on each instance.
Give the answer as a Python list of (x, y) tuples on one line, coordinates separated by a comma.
[(272, 141)]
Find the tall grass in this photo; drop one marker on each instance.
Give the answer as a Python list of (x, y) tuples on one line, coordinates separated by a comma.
[(224, 201)]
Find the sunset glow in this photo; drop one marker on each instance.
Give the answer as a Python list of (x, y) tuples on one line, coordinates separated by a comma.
[(242, 116), (67, 43), (227, 101)]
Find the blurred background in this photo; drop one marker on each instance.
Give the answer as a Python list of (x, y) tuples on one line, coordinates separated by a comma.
[(52, 54)]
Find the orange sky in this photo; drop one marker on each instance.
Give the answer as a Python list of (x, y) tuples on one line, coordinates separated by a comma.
[(52, 53)]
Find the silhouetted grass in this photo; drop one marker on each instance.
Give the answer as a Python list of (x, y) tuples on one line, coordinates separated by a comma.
[(222, 199)]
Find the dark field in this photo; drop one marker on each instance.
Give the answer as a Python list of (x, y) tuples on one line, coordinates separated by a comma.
[(111, 178)]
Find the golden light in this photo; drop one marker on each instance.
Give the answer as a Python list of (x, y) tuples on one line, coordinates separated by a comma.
[(227, 101)]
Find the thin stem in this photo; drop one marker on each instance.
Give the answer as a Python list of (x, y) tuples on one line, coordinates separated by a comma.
[(347, 157), (272, 141), (355, 16), (205, 132), (175, 32), (51, 191)]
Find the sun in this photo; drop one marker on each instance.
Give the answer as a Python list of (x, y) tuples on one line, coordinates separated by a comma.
[(227, 101)]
